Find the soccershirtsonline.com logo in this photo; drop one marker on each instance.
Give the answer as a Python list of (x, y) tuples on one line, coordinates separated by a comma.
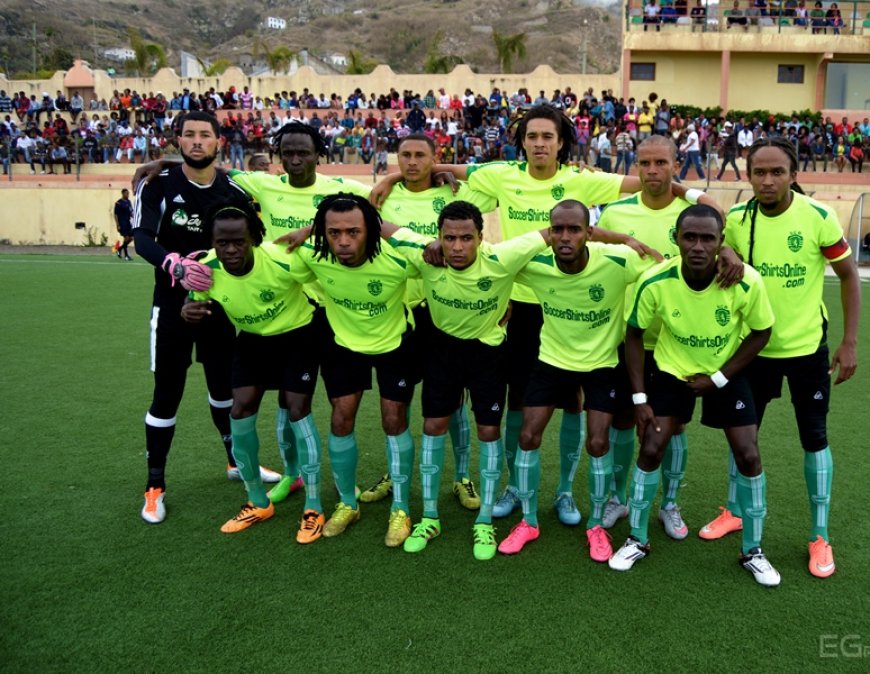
[(843, 646)]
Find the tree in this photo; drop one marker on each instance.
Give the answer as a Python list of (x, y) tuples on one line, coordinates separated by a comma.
[(357, 64), (149, 57), (214, 69), (507, 47), (437, 62), (278, 59)]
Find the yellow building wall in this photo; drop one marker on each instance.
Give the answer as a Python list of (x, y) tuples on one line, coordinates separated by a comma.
[(752, 73), (681, 77)]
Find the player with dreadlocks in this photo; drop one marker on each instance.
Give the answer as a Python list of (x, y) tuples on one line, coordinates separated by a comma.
[(364, 287), (789, 238)]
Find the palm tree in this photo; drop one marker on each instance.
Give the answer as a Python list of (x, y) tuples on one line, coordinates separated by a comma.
[(278, 59), (437, 62), (149, 57), (215, 68), (507, 47), (357, 64)]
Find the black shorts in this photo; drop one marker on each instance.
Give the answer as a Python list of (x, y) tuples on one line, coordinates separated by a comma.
[(455, 364), (285, 362), (623, 384), (346, 372), (728, 407), (420, 341), (173, 338), (523, 346), (125, 230), (552, 386)]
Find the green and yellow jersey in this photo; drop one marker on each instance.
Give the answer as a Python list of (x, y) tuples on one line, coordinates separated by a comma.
[(469, 303), (524, 203), (701, 330), (268, 300), (583, 312), (790, 252)]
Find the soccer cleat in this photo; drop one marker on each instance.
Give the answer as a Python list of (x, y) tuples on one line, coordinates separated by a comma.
[(723, 525), (154, 512), (311, 527), (341, 519), (465, 492), (484, 541), (673, 521), (613, 511), (756, 563), (248, 516), (266, 475), (398, 529), (598, 540), (286, 485), (821, 558), (521, 534), (506, 503), (566, 509), (381, 489), (425, 531), (630, 552)]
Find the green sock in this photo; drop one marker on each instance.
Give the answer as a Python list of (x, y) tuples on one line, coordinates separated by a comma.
[(819, 473), (733, 504), (572, 436), (431, 463), (600, 471), (528, 465), (491, 454), (752, 495), (674, 468), (343, 455), (460, 438), (308, 439), (512, 424), (246, 452), (401, 452), (622, 450), (287, 443), (644, 486)]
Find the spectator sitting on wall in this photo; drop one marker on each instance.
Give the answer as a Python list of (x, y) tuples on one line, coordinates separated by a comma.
[(737, 16), (699, 14)]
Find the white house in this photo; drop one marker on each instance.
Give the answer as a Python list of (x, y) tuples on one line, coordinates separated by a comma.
[(276, 23)]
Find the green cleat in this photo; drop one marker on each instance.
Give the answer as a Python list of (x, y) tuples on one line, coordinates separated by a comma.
[(423, 532), (341, 519), (380, 491), (467, 495), (484, 541), (286, 485)]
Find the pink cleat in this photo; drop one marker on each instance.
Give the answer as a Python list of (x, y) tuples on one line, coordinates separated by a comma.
[(598, 539), (521, 534)]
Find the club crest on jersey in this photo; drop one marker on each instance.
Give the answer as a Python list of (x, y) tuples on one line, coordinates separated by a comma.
[(438, 204), (375, 288), (266, 295), (316, 200), (723, 315), (795, 241), (484, 284), (179, 218), (557, 192), (672, 235), (596, 292), (676, 313)]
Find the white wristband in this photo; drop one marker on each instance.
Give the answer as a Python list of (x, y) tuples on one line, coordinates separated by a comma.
[(639, 398), (692, 195), (719, 379)]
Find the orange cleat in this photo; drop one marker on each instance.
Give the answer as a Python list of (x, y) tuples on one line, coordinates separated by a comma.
[(311, 527), (723, 525), (821, 558), (248, 515)]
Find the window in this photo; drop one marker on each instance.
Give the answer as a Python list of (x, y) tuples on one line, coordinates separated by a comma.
[(790, 75), (643, 71)]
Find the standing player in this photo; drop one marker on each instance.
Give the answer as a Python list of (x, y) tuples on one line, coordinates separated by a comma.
[(257, 289), (581, 288), (364, 289), (167, 229), (123, 213), (699, 353), (790, 238), (416, 203)]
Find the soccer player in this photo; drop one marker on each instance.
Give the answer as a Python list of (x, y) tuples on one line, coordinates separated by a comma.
[(167, 230), (790, 238), (260, 295), (465, 350), (416, 203), (699, 353), (581, 287), (364, 287), (123, 212)]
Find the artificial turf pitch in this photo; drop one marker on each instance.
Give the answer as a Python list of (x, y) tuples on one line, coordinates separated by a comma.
[(88, 587)]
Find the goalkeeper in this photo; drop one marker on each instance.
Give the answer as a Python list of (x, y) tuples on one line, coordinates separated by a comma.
[(167, 229)]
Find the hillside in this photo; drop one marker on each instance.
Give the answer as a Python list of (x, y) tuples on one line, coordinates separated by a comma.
[(398, 33)]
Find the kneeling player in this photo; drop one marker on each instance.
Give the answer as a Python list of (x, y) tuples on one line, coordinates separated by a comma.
[(259, 293), (699, 353)]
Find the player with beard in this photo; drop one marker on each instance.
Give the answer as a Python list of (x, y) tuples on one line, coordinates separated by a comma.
[(168, 232)]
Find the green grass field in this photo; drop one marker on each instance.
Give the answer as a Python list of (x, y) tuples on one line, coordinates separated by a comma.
[(88, 587)]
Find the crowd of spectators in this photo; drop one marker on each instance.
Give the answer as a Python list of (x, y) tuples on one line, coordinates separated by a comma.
[(823, 17), (467, 128)]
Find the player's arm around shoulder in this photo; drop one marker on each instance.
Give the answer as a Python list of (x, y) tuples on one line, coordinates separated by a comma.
[(406, 242)]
